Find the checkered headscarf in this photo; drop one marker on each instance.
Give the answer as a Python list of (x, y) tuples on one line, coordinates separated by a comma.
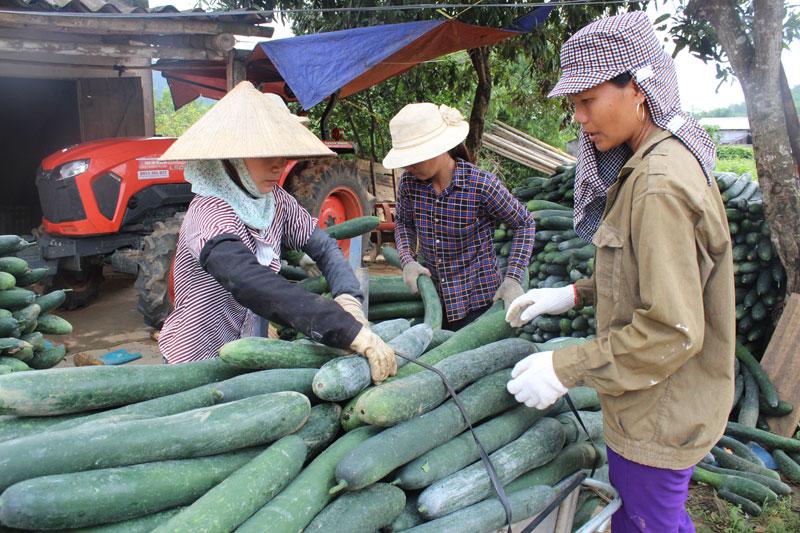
[(597, 53)]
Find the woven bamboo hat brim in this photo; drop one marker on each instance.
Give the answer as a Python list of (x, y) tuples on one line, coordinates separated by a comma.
[(244, 124)]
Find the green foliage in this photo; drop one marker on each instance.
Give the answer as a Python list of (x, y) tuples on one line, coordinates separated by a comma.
[(739, 166), (734, 151), (171, 123), (733, 110), (740, 109), (735, 158), (713, 132), (700, 38)]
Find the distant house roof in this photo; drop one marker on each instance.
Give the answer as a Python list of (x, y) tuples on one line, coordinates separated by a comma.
[(727, 123)]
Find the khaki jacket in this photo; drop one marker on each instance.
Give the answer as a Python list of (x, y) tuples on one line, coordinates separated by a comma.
[(663, 293)]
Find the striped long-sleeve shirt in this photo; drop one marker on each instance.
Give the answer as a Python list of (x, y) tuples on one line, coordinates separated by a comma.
[(206, 316), (455, 230)]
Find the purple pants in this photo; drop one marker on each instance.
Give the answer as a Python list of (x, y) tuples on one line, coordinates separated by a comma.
[(653, 499)]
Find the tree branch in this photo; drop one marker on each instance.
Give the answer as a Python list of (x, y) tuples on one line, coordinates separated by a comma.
[(732, 34)]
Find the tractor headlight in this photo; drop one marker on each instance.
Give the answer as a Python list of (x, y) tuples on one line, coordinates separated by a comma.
[(73, 168)]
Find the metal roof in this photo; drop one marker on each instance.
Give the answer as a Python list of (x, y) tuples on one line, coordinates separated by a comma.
[(120, 6)]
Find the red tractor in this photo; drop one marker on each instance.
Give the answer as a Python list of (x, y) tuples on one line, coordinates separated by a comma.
[(113, 202)]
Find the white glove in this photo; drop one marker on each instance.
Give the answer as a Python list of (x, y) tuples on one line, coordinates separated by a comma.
[(534, 382), (537, 302), (310, 266)]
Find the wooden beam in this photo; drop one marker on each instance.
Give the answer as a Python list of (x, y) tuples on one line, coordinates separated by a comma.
[(521, 151), (534, 139), (224, 42), (38, 60), (131, 24), (516, 157), (106, 50), (515, 141)]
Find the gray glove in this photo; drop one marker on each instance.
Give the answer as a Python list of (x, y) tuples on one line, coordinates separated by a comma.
[(380, 356), (310, 266), (508, 291), (353, 306), (411, 272)]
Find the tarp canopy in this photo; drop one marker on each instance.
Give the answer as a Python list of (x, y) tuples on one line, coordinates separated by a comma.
[(348, 61)]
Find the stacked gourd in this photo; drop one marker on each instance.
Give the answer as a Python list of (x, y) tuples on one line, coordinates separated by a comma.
[(746, 465), (388, 295), (234, 443), (561, 257), (25, 316)]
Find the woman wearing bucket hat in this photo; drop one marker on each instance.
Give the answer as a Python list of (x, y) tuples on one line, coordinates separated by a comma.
[(662, 290), (228, 254), (450, 207)]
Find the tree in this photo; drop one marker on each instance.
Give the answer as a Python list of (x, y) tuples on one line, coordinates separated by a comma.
[(171, 123), (750, 34)]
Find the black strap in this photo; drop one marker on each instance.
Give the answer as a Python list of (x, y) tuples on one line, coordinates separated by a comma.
[(496, 484), (562, 495), (588, 436)]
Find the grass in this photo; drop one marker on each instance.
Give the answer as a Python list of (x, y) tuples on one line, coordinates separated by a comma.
[(711, 514), (736, 158), (738, 166)]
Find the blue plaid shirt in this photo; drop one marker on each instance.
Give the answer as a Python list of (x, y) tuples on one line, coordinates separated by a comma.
[(455, 230)]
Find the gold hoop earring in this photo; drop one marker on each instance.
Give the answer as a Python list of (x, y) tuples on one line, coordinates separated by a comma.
[(639, 107)]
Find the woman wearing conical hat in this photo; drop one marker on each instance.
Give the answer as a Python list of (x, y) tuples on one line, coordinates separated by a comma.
[(227, 258), (662, 289), (450, 207)]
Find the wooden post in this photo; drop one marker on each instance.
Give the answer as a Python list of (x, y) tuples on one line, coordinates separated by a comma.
[(782, 365), (234, 70)]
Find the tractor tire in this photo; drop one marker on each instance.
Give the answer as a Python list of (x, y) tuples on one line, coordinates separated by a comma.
[(84, 286), (155, 263), (332, 191)]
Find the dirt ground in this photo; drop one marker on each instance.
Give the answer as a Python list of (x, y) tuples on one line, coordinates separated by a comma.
[(111, 322)]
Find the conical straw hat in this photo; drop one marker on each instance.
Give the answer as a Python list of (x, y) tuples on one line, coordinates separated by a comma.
[(245, 124)]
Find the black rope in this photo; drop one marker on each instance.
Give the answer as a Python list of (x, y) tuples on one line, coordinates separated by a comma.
[(574, 483), (562, 495), (496, 484)]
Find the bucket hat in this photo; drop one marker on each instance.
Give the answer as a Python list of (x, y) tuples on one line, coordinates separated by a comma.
[(247, 124), (597, 53), (422, 131)]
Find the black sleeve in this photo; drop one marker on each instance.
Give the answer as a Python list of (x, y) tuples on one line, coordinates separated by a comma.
[(271, 296), (324, 250)]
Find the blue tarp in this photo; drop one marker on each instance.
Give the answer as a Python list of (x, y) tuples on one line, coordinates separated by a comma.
[(317, 65)]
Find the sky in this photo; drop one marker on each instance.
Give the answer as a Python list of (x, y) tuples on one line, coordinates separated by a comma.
[(697, 80)]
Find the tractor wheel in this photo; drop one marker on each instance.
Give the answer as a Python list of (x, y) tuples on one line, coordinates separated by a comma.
[(84, 286), (155, 264), (332, 192)]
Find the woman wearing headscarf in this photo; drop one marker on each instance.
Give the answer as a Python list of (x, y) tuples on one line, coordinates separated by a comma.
[(662, 290), (450, 207), (228, 253)]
